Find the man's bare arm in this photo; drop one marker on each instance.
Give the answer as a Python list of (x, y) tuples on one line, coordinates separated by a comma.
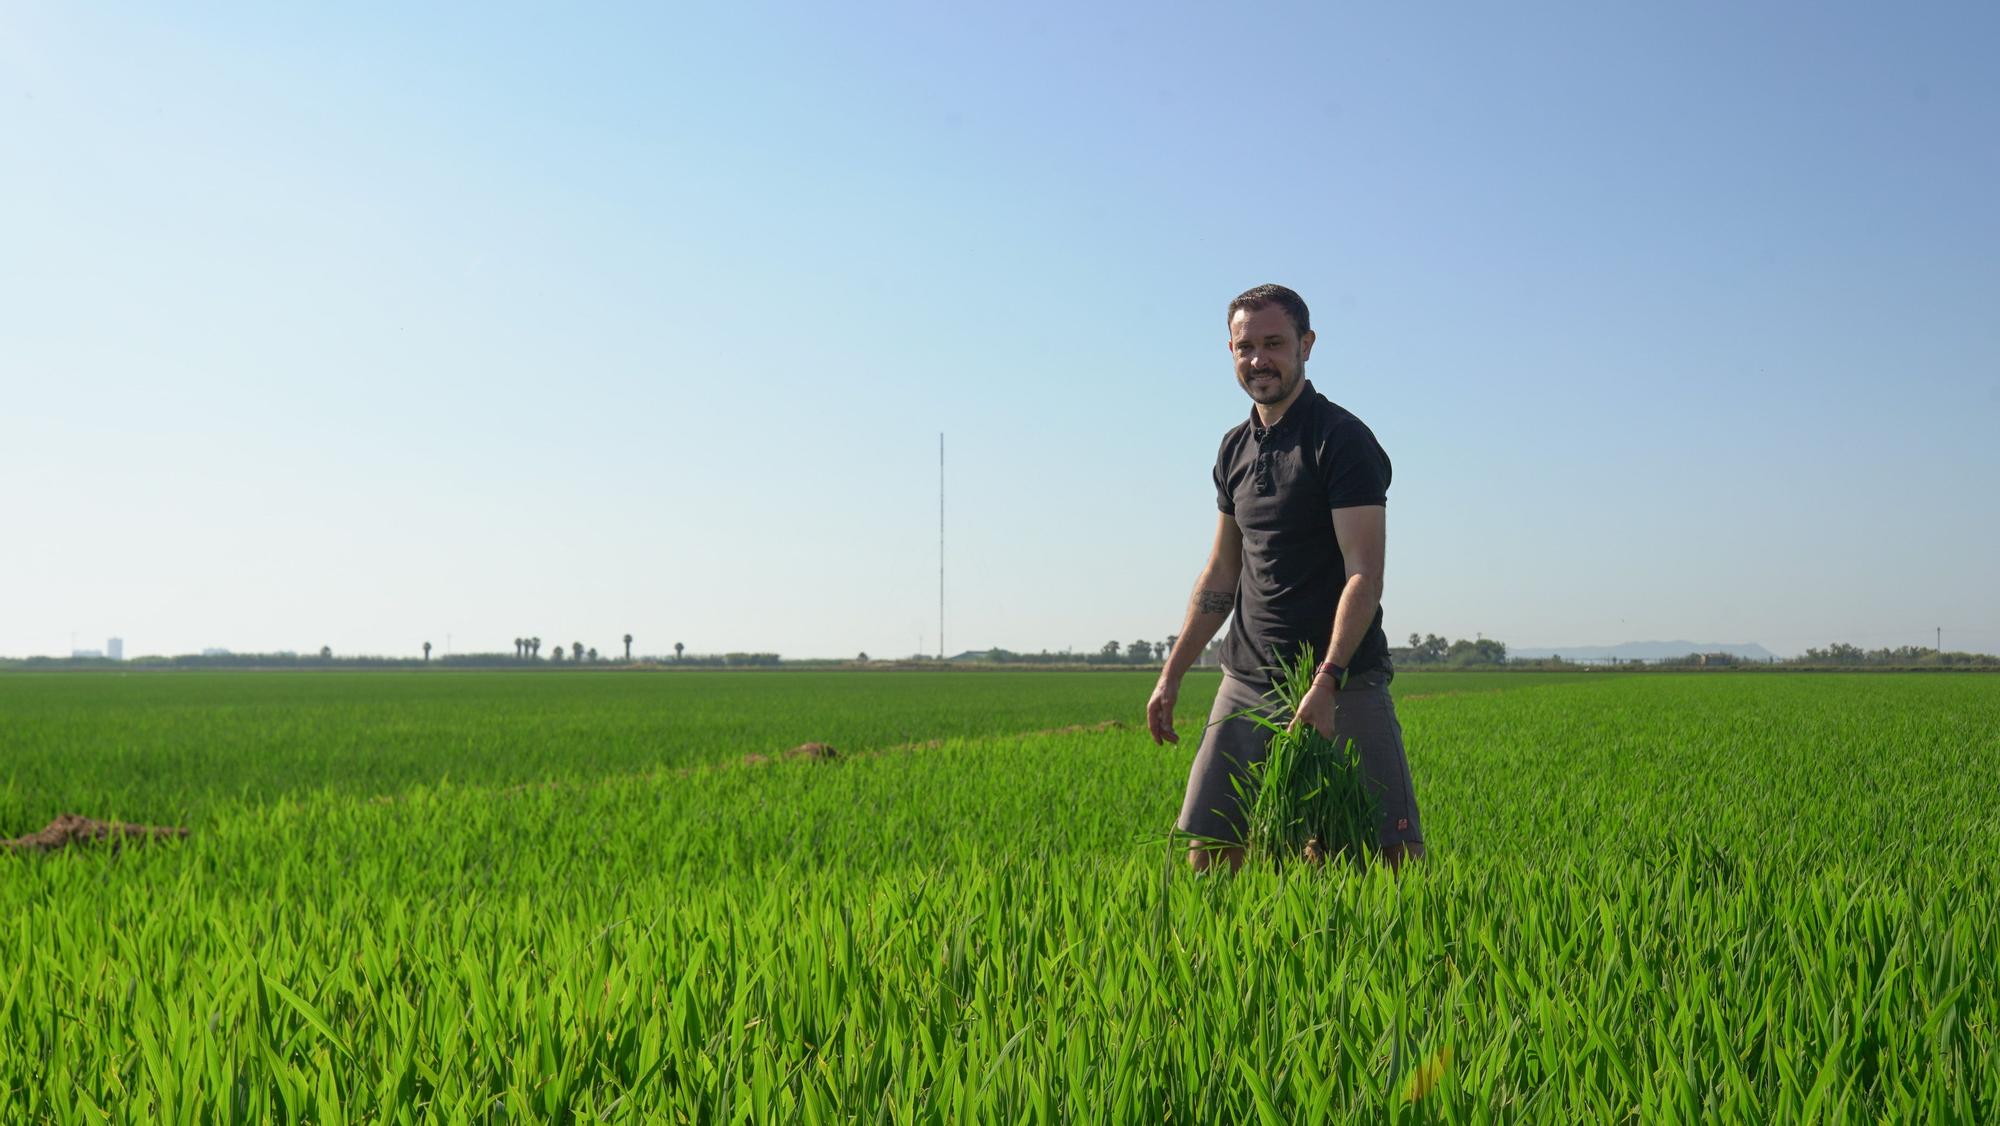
[(1214, 596), (1362, 532)]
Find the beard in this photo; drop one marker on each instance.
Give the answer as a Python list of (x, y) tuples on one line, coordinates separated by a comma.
[(1273, 390)]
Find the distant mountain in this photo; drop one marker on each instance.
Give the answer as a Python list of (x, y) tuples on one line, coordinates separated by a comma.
[(1648, 650)]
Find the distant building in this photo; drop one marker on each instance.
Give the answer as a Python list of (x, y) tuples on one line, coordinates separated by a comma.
[(115, 648), (86, 654)]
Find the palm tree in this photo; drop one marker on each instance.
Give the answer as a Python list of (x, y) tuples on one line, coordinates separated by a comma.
[(677, 650), (628, 648), (592, 655), (577, 648), (520, 648), (427, 652), (535, 647)]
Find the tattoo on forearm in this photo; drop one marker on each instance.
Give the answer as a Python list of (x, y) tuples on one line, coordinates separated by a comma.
[(1213, 601)]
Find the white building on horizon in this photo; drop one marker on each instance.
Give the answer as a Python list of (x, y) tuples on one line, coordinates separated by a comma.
[(115, 648)]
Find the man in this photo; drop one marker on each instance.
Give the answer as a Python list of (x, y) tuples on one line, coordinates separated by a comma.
[(1297, 559)]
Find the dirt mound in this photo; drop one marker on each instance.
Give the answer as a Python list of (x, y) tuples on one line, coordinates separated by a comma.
[(1084, 728), (810, 752), (824, 752), (74, 829)]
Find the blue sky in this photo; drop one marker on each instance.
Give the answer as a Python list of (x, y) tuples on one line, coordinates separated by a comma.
[(382, 324)]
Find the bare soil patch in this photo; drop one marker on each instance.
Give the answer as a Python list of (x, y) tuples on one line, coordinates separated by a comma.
[(824, 752), (1085, 728), (808, 752), (75, 829)]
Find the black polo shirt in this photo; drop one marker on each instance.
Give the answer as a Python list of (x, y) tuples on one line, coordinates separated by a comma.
[(1282, 485)]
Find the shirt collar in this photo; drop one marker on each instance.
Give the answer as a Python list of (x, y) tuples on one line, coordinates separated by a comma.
[(1258, 428)]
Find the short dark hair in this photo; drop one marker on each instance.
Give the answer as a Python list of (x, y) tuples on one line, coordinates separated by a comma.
[(1293, 305)]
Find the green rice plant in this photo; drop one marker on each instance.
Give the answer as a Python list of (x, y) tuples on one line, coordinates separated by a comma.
[(1309, 796), (1655, 898)]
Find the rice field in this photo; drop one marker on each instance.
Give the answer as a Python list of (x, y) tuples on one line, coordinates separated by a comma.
[(438, 896)]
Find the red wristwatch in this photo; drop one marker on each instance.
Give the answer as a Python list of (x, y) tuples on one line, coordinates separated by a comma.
[(1339, 674)]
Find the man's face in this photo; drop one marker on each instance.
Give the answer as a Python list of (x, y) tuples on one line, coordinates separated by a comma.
[(1270, 355)]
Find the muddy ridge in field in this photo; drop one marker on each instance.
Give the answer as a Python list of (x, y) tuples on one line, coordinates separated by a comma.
[(811, 752), (823, 752), (804, 752), (75, 829), (1072, 729), (1080, 728)]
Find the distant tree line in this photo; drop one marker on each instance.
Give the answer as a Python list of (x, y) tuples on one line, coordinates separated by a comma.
[(526, 649), (1434, 651), (287, 660), (1836, 655), (726, 660), (1424, 651), (1138, 652), (1906, 656), (1112, 653)]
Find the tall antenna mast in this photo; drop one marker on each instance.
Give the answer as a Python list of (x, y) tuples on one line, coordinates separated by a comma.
[(940, 545)]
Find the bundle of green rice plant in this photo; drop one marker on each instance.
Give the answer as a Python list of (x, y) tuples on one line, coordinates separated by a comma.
[(1309, 796)]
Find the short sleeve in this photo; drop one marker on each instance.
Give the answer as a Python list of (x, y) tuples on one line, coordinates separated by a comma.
[(1353, 467), (1223, 501)]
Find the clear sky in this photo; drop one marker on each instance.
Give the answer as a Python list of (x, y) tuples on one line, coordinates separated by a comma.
[(366, 325)]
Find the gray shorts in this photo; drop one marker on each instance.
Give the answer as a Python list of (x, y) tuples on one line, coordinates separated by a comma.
[(1362, 712)]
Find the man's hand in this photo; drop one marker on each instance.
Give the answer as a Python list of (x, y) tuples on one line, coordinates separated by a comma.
[(1160, 711), (1317, 707)]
